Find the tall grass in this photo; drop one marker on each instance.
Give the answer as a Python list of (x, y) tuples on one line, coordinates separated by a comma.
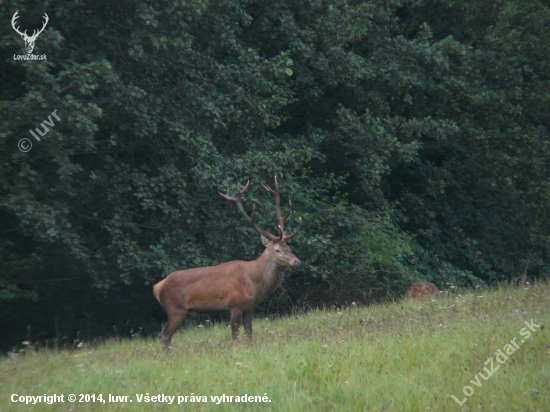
[(404, 356)]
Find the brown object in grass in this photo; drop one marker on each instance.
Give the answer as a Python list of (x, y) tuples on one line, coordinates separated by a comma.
[(420, 290)]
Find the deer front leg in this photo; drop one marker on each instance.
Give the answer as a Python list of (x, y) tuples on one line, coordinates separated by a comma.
[(247, 322), (236, 318)]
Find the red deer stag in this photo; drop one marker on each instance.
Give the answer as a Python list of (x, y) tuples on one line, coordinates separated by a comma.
[(237, 286)]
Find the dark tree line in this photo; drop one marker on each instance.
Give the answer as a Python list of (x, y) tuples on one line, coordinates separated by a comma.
[(412, 137)]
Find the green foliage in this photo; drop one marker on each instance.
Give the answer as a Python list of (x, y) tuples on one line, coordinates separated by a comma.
[(365, 259), (433, 113)]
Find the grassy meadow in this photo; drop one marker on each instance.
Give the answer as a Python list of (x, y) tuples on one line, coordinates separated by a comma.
[(402, 356)]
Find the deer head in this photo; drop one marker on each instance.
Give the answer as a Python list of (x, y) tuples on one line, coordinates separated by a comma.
[(275, 245), (29, 40)]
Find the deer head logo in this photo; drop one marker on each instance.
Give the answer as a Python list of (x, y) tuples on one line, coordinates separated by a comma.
[(29, 40)]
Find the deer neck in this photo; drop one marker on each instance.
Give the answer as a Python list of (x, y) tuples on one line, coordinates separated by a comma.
[(268, 274)]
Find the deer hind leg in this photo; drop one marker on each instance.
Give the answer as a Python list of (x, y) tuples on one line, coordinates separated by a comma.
[(247, 323), (236, 319), (174, 322)]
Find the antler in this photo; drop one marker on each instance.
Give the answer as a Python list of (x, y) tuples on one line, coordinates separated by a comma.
[(36, 33), (24, 34), (15, 16), (282, 219), (237, 200)]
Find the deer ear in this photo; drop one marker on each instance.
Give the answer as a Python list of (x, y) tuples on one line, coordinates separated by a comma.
[(265, 241)]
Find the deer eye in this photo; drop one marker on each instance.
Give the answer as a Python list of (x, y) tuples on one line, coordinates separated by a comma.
[(277, 250)]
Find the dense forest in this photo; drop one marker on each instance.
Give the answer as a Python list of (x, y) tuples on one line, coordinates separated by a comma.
[(413, 137)]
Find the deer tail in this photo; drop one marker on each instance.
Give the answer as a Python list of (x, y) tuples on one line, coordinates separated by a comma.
[(157, 288)]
